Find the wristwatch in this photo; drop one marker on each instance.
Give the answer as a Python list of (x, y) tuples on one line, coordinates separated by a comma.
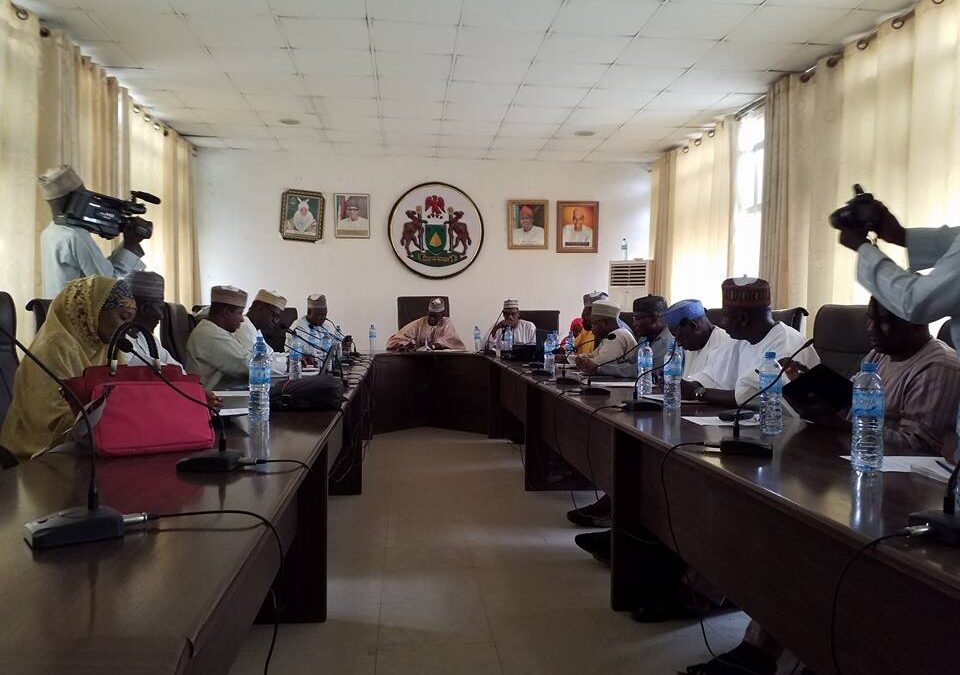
[(699, 392)]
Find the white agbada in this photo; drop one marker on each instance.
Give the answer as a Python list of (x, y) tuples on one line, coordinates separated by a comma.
[(524, 334), (614, 351), (738, 362), (695, 362), (308, 333), (246, 335), (217, 356), (532, 238), (572, 236), (302, 219), (141, 347)]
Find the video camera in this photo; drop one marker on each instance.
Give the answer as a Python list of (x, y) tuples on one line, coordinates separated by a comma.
[(108, 216), (862, 212)]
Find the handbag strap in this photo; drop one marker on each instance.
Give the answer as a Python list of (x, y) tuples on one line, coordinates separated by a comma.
[(130, 328)]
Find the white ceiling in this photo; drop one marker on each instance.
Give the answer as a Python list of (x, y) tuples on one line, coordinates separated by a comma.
[(454, 78)]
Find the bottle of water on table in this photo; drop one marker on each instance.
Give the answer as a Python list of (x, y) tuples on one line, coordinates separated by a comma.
[(771, 401), (569, 344), (672, 374), (327, 344), (338, 346), (866, 441), (508, 339), (644, 369), (373, 338), (295, 363), (549, 360), (259, 380), (476, 339)]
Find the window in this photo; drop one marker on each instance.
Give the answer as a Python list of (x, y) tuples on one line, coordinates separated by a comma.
[(747, 196)]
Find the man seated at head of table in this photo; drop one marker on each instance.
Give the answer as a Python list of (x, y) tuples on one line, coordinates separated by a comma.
[(213, 350), (524, 332), (434, 331), (700, 340), (921, 385), (748, 319), (613, 353)]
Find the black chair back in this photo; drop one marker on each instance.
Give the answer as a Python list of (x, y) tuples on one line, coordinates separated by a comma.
[(277, 338), (8, 353), (544, 319), (840, 337), (175, 327), (411, 307), (945, 335), (39, 307), (793, 317)]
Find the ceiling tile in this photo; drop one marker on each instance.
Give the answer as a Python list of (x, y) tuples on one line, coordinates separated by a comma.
[(465, 141), (207, 142), (341, 105), (253, 59), (238, 117), (410, 126), (187, 129), (474, 92), (568, 48), (803, 57), (461, 153), (736, 101), (550, 96), (218, 7), (475, 111), (109, 54), (392, 150), (684, 101), (573, 143), (339, 85), (427, 11), (414, 66), (561, 155), (213, 99), (566, 74), (157, 98), (229, 30), (538, 114), (473, 128), (600, 131), (278, 103), (334, 9), (665, 53), (887, 5), (505, 44), (168, 30), (518, 142), (695, 20), (361, 149), (312, 147), (414, 110), (605, 17), (516, 130), (618, 98), (585, 117), (732, 55), (265, 83), (786, 24), (334, 62), (143, 6), (168, 78), (512, 154), (351, 123), (615, 157), (855, 23), (402, 88), (326, 33), (410, 140), (177, 116), (640, 77), (723, 81), (476, 69), (308, 120), (661, 118), (242, 131), (290, 133), (413, 38), (534, 15), (251, 144), (352, 136), (191, 59)]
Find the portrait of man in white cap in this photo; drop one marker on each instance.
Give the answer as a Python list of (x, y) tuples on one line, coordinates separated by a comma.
[(434, 331), (301, 215), (524, 332), (353, 216), (68, 252), (528, 224), (578, 229)]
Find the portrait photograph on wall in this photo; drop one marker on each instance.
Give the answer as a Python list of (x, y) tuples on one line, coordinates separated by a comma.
[(301, 215), (353, 216), (578, 225), (527, 223)]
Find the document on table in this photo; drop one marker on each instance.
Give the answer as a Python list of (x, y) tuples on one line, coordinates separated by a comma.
[(232, 393), (232, 412), (717, 422), (615, 384), (931, 467), (659, 398)]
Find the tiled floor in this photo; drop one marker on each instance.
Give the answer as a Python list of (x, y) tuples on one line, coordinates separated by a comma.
[(446, 566)]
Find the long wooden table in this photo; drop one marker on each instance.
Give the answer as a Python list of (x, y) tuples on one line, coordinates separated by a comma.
[(178, 597)]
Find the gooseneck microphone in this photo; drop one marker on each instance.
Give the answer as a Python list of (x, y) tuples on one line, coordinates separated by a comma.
[(734, 445), (590, 390), (75, 525), (326, 353)]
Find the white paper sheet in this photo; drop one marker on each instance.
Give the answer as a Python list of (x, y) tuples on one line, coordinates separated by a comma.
[(232, 412), (659, 397), (232, 393), (928, 466), (717, 422)]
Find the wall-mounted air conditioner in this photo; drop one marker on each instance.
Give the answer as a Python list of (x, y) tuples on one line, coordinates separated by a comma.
[(628, 281)]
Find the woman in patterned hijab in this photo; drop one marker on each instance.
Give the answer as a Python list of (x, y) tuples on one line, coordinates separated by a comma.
[(79, 325)]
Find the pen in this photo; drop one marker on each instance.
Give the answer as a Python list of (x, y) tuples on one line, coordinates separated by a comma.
[(944, 465)]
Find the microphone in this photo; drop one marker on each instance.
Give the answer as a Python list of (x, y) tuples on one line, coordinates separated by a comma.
[(945, 524), (347, 358), (75, 525), (640, 405), (603, 391), (563, 379), (327, 353), (734, 445), (145, 196)]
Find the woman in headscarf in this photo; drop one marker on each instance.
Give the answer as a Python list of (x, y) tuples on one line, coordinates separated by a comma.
[(79, 325)]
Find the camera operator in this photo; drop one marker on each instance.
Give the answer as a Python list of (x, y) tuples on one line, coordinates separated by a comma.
[(68, 252), (913, 297)]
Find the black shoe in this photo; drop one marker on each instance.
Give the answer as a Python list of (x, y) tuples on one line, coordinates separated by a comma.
[(745, 658), (658, 611), (596, 544), (594, 515)]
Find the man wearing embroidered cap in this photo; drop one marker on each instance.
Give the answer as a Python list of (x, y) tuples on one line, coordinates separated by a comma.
[(584, 342), (147, 289), (264, 315), (613, 347), (649, 325), (213, 351), (699, 338), (67, 252), (309, 327), (434, 331), (524, 332), (748, 320)]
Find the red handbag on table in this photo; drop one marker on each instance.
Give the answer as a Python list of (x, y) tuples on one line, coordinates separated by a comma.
[(135, 412)]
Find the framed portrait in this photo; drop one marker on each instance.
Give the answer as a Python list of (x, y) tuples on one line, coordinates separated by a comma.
[(301, 215), (353, 216), (578, 225), (527, 223), (435, 230)]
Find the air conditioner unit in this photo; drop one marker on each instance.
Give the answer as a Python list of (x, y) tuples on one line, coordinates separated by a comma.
[(628, 281)]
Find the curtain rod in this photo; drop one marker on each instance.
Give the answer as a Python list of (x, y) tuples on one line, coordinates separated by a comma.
[(749, 108)]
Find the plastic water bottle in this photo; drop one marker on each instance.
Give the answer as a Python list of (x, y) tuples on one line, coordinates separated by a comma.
[(508, 339), (771, 401), (644, 369), (327, 344), (623, 249), (549, 360), (259, 380), (311, 347), (568, 347), (476, 339), (373, 338), (866, 442), (295, 364), (338, 347), (672, 374)]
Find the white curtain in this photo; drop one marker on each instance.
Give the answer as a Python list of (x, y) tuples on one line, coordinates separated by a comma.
[(692, 197), (887, 117), (19, 109)]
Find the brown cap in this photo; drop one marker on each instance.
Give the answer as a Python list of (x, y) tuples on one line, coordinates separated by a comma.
[(271, 298), (59, 182), (228, 295), (746, 293)]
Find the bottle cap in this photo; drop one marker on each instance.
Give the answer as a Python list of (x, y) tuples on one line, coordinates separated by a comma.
[(868, 367), (770, 355)]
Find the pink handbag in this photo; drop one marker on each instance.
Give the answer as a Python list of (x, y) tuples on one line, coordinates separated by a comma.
[(134, 412)]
